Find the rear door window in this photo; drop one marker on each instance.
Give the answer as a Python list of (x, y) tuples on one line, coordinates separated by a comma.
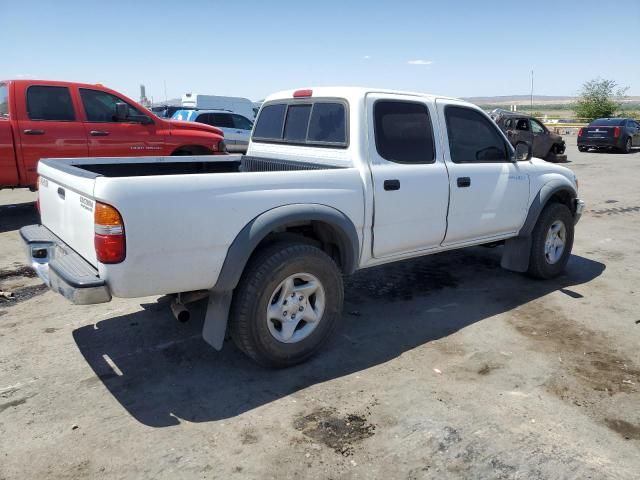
[(222, 120), (314, 123), (403, 132), (49, 103)]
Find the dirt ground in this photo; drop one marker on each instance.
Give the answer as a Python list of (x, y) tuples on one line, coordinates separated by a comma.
[(444, 367)]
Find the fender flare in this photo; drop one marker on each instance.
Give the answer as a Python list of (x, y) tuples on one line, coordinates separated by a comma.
[(257, 229), (540, 201), (517, 250)]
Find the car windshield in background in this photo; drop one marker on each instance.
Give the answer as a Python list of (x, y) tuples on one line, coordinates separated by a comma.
[(319, 123), (608, 122)]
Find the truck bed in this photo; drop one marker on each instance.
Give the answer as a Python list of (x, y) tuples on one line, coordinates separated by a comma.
[(157, 166), (182, 213)]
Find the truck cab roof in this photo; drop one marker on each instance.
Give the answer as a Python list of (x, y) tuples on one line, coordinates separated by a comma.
[(348, 93)]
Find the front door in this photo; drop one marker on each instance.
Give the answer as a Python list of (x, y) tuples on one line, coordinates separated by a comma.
[(48, 127), (489, 192), (243, 128), (542, 141), (111, 138), (410, 183)]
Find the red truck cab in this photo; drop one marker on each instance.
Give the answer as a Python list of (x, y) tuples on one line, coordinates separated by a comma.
[(50, 119)]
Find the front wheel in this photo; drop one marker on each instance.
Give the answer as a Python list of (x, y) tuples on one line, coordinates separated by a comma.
[(552, 241), (287, 304)]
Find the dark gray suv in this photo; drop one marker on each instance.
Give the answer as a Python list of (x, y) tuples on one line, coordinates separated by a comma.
[(520, 127)]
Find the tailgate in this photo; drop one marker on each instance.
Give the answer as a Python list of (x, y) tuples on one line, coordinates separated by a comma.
[(66, 208)]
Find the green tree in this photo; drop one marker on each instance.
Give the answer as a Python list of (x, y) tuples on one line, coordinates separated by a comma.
[(599, 98)]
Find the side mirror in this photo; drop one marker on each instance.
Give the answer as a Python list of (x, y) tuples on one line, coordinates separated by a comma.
[(523, 152), (122, 109)]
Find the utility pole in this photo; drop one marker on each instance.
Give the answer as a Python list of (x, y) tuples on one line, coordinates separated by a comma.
[(531, 105)]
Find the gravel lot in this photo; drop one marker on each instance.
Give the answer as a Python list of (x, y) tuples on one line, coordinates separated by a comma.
[(444, 367)]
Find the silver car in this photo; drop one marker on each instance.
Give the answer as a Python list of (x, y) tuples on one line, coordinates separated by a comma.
[(236, 127)]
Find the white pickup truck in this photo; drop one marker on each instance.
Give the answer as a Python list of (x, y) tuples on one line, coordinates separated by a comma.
[(334, 180)]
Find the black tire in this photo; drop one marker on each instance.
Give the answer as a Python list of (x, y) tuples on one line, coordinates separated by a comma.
[(264, 273), (539, 265), (582, 149), (627, 146)]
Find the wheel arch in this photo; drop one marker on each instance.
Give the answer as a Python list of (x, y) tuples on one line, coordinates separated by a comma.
[(191, 150), (558, 192), (314, 222)]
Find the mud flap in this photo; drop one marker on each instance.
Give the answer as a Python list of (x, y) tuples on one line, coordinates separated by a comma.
[(516, 254), (215, 320)]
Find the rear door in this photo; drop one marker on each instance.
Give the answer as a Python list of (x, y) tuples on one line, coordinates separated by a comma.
[(410, 182), (48, 126), (489, 192), (110, 138)]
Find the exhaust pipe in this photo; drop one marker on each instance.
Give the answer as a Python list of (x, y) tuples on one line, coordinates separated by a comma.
[(181, 312)]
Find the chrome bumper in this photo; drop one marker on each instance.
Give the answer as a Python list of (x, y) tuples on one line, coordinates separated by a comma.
[(62, 269), (579, 209)]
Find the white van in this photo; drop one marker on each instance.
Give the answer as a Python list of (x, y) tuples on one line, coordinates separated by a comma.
[(240, 105)]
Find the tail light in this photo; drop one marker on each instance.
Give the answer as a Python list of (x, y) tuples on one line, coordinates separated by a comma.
[(616, 132), (580, 132), (109, 238), (38, 195)]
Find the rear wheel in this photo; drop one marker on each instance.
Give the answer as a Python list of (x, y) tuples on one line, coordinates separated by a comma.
[(627, 146), (552, 241), (287, 304), (582, 149)]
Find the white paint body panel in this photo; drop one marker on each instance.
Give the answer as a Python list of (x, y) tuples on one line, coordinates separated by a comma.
[(179, 227)]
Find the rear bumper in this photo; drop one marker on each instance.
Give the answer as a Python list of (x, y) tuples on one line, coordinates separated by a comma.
[(579, 209), (600, 142), (62, 269)]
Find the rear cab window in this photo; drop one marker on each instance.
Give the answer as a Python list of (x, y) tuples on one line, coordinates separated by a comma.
[(49, 103), (311, 122)]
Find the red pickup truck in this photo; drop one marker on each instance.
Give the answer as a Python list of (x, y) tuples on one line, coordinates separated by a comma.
[(48, 119)]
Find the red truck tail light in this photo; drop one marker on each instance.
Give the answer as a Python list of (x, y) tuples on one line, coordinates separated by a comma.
[(580, 132), (302, 93), (109, 238), (616, 132)]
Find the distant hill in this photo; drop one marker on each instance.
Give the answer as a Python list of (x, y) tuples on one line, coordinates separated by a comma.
[(526, 99)]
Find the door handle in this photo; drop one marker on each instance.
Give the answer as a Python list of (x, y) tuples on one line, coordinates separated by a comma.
[(98, 133), (33, 131), (464, 182), (61, 192), (392, 185)]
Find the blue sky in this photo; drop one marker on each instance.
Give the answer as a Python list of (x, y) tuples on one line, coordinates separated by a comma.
[(252, 48)]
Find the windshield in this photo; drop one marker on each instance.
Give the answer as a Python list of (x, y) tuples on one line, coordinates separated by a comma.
[(607, 122)]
